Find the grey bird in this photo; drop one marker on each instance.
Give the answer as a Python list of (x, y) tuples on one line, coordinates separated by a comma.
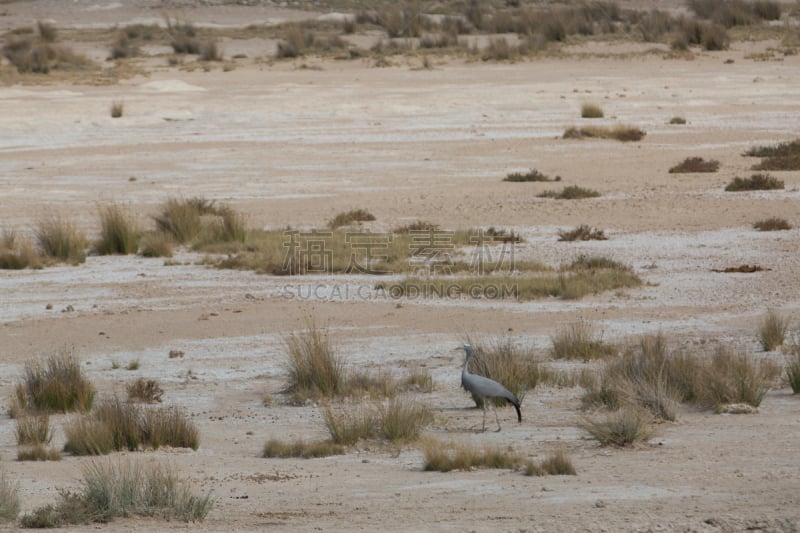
[(487, 389)]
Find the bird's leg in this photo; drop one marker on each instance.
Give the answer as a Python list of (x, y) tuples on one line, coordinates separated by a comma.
[(495, 416), (483, 427)]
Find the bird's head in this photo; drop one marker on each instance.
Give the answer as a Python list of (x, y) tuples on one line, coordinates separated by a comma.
[(468, 349)]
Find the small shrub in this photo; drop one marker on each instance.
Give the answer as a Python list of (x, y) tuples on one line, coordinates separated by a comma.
[(695, 164), (347, 428), (531, 175), (9, 499), (37, 452), (183, 36), (119, 233), (168, 426), (582, 233), (784, 149), (16, 254), (677, 120), (117, 108), (570, 192), (133, 365), (402, 420), (302, 449), (210, 51), (61, 240), (315, 369), (445, 458), (619, 133), (578, 341), (145, 390), (556, 464), (39, 53), (772, 330), (88, 436), (55, 384), (156, 244), (589, 110), (772, 224), (624, 427), (419, 380), (122, 47), (756, 182), (182, 218), (33, 429), (350, 217), (419, 225)]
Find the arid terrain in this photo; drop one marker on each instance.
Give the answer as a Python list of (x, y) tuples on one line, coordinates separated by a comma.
[(296, 141)]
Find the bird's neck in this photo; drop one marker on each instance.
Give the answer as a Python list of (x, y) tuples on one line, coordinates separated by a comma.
[(465, 371)]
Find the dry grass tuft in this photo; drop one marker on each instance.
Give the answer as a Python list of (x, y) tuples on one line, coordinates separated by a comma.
[(144, 390), (301, 448), (402, 419), (623, 427), (55, 384), (583, 232), (556, 464), (461, 456), (61, 240), (500, 359), (119, 232), (772, 224), (38, 51), (315, 369), (351, 217), (156, 244), (33, 429), (531, 175), (736, 378), (772, 330), (792, 369), (38, 452), (695, 164), (756, 182), (619, 133), (677, 120), (570, 192), (590, 110), (9, 499), (348, 427), (16, 254), (117, 108), (579, 341), (783, 156)]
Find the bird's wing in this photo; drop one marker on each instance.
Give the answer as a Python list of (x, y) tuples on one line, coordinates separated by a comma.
[(488, 388)]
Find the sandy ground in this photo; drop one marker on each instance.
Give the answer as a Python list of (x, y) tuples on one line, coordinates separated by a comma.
[(294, 146)]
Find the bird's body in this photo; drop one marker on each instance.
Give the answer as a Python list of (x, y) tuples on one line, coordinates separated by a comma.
[(487, 389)]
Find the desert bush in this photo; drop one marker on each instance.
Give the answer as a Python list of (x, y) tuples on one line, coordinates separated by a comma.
[(736, 378), (445, 458), (117, 109), (9, 499), (500, 359), (37, 452), (695, 164), (589, 110), (122, 47), (33, 429), (39, 53), (350, 217), (348, 427), (677, 120), (531, 175), (183, 37), (182, 218), (168, 426), (499, 49), (402, 420), (772, 224), (583, 232), (782, 156), (417, 226), (570, 192), (144, 390), (210, 51), (88, 436), (119, 232), (623, 427), (772, 330), (295, 42), (619, 133), (16, 254), (314, 367), (302, 449), (579, 341), (55, 384), (755, 182), (156, 244), (61, 240)]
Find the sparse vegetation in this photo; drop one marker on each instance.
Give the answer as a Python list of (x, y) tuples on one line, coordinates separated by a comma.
[(677, 120), (33, 429), (772, 330), (570, 192), (732, 378), (511, 365), (756, 182), (144, 390), (556, 464), (37, 51), (590, 110), (37, 452), (531, 175), (301, 448), (623, 427), (55, 384), (156, 244), (619, 133), (445, 458), (782, 156), (350, 217), (119, 232), (61, 240), (579, 341), (583, 232), (16, 253), (125, 488), (695, 165), (117, 108), (398, 420), (772, 224), (792, 368), (315, 369)]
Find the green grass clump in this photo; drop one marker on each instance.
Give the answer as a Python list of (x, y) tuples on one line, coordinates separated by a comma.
[(570, 192), (55, 384), (583, 232), (619, 133), (350, 217), (61, 240), (579, 341), (500, 359), (772, 224), (301, 448), (9, 499), (623, 427), (695, 164), (756, 182), (772, 330), (119, 233), (590, 110), (531, 175)]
